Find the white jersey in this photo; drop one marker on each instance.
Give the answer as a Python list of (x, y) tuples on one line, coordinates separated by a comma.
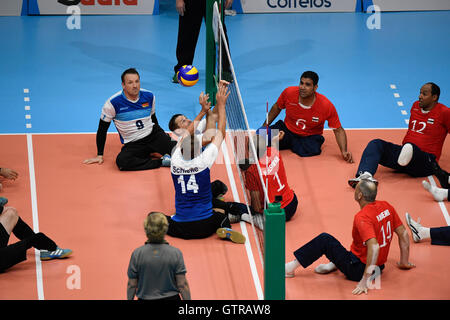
[(201, 128), (132, 118)]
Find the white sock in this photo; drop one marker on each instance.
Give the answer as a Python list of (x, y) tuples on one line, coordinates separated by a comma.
[(424, 233), (405, 155), (291, 266), (325, 268), (439, 194), (246, 217)]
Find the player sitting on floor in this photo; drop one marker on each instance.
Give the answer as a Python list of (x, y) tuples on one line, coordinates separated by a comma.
[(10, 255), (421, 148), (195, 215), (273, 176)]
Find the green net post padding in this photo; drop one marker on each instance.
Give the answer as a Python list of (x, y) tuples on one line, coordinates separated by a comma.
[(274, 252)]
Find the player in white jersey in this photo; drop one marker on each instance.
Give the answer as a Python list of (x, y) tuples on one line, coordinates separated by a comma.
[(195, 216), (133, 113), (204, 127)]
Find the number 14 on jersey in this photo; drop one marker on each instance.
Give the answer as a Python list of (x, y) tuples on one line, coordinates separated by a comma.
[(191, 184)]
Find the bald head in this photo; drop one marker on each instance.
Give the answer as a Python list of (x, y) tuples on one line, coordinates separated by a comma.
[(367, 189)]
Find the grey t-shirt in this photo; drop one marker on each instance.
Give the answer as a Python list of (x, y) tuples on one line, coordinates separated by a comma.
[(155, 267)]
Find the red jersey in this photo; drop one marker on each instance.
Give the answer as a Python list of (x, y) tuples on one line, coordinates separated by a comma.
[(376, 220), (274, 176), (307, 121), (428, 130)]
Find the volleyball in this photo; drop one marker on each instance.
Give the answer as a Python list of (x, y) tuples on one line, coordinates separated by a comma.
[(187, 75)]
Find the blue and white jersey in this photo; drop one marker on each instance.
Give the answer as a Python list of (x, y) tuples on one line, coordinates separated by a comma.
[(132, 118), (192, 182)]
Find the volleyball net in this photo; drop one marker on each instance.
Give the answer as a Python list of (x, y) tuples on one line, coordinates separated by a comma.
[(267, 220)]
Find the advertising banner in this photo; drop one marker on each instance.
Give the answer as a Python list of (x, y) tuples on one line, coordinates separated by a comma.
[(409, 5), (11, 7), (55, 7), (277, 6)]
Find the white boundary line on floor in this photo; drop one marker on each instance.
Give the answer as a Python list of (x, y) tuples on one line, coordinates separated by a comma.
[(248, 247), (39, 282)]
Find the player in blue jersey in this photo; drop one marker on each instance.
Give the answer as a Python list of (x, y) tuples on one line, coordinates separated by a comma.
[(133, 112), (195, 215)]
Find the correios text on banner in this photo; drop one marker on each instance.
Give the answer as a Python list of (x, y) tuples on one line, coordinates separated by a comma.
[(299, 3)]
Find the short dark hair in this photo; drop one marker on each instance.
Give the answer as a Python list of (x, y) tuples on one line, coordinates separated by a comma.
[(128, 71), (311, 75), (368, 189), (172, 124), (435, 90)]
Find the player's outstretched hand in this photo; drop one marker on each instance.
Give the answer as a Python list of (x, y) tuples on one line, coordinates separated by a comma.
[(203, 100), (222, 93), (97, 159)]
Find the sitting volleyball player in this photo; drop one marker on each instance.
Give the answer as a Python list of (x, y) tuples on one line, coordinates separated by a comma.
[(204, 127), (421, 148), (145, 144), (274, 177), (195, 216)]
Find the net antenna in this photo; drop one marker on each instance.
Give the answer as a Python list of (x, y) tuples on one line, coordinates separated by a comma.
[(237, 122)]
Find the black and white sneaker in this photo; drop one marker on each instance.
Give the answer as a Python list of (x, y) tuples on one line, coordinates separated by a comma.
[(414, 226), (366, 175)]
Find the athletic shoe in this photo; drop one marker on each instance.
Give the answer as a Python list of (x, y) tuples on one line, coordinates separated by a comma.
[(414, 226), (175, 78), (234, 218), (165, 161), (366, 175), (289, 274), (57, 254), (227, 233), (257, 218), (441, 175), (325, 268), (3, 201)]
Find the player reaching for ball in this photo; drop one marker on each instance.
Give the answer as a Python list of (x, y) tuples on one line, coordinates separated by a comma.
[(195, 215)]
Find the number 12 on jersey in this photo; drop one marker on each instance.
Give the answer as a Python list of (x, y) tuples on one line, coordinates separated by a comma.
[(191, 185)]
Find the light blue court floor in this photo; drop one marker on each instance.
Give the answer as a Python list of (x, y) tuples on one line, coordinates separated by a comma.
[(70, 73)]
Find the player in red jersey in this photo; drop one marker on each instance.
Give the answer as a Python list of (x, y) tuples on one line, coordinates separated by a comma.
[(421, 148), (274, 177), (306, 113), (373, 227)]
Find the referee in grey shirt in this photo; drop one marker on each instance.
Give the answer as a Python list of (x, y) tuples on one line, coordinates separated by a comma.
[(156, 270)]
